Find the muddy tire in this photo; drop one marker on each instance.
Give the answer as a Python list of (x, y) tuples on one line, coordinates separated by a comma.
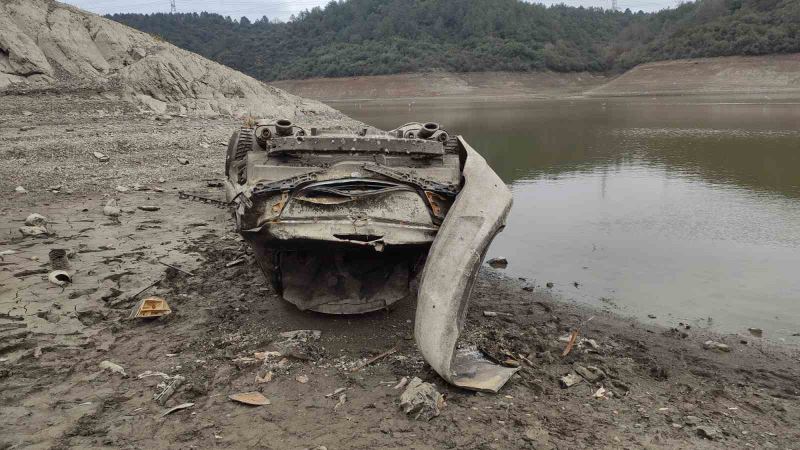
[(268, 263), (239, 145)]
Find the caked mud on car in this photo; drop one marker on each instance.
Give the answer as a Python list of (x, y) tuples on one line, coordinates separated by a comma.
[(353, 223)]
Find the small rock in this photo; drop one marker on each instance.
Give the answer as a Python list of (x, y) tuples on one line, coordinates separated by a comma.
[(27, 113), (162, 180), (149, 208), (421, 400), (111, 209), (490, 314), (757, 332), (569, 380), (710, 433), (20, 190), (27, 128), (302, 379), (102, 157), (527, 288), (121, 189), (651, 316), (36, 220), (549, 285), (498, 263), (718, 346), (114, 368), (183, 161)]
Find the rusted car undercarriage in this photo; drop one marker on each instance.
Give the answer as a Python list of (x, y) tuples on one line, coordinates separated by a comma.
[(352, 223)]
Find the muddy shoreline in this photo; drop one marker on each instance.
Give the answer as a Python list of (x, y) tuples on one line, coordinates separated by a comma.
[(660, 387)]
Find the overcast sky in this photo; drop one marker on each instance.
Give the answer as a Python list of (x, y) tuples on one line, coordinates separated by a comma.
[(283, 9)]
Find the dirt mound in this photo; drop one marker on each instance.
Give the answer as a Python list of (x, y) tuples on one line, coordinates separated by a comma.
[(735, 74), (46, 45)]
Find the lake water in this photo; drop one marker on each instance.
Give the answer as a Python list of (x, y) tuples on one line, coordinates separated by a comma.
[(688, 210)]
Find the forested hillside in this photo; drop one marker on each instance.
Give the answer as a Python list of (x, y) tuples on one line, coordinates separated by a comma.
[(370, 37)]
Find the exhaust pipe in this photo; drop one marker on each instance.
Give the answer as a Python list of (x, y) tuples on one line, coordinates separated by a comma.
[(427, 130), (283, 127)]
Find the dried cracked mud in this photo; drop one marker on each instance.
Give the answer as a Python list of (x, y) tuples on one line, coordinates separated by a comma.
[(661, 388)]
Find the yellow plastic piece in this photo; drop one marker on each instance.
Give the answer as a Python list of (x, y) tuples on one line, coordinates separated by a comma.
[(150, 307)]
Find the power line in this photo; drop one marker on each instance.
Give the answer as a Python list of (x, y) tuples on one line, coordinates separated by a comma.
[(173, 9)]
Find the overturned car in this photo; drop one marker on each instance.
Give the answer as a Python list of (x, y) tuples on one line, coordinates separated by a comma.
[(352, 223)]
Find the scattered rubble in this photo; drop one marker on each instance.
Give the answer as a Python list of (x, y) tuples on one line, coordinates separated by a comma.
[(299, 344), (421, 400), (168, 389)]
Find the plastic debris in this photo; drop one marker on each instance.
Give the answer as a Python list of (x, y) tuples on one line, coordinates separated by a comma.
[(150, 307), (250, 398), (421, 400), (59, 277)]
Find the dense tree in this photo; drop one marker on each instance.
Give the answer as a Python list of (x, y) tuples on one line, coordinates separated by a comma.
[(370, 37)]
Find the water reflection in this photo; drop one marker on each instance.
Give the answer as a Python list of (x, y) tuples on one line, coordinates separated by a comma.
[(666, 207)]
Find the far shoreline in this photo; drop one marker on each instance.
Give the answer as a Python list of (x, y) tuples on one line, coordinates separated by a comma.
[(768, 76)]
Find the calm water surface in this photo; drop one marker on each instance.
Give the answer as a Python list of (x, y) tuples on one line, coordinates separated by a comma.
[(688, 210)]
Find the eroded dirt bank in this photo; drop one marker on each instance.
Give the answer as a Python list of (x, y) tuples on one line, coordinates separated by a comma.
[(661, 387), (737, 75)]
